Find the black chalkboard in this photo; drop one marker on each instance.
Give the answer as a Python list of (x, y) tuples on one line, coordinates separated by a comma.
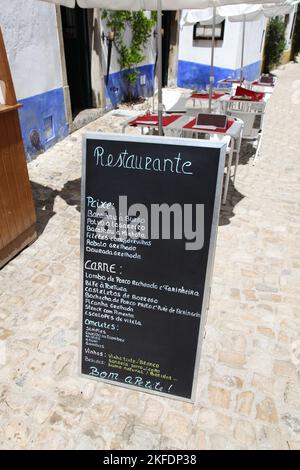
[(144, 300)]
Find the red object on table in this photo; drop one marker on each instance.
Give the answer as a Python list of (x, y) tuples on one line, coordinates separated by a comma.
[(190, 125), (240, 92), (152, 120), (257, 82), (230, 80), (205, 96)]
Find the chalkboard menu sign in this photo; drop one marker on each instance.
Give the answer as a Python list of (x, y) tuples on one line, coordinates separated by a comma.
[(150, 208)]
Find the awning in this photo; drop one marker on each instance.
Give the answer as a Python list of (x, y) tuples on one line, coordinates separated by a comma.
[(152, 4), (238, 13)]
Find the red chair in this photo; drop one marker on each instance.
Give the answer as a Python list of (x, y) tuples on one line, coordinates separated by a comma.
[(254, 95)]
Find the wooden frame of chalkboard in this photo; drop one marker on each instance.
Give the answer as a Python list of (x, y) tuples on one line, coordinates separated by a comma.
[(209, 151)]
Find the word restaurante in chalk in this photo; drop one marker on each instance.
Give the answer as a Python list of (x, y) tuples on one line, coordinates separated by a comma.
[(134, 162)]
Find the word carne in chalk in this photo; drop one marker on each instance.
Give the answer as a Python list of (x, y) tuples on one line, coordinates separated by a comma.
[(99, 266)]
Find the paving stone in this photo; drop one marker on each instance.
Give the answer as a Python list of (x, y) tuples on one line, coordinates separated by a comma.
[(266, 411), (292, 422), (214, 421), (143, 438), (17, 434), (263, 383), (270, 438), (232, 359), (244, 432), (244, 402), (294, 445), (43, 410), (62, 361), (292, 395), (175, 421), (152, 412), (218, 396), (285, 369)]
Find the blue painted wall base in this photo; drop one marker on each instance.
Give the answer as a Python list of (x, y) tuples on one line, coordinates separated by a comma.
[(196, 76), (117, 87), (43, 121)]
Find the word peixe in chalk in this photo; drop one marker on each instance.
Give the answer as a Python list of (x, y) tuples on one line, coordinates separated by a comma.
[(174, 165), (179, 221)]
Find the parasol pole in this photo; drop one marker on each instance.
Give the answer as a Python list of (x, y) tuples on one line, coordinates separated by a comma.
[(243, 50), (211, 74), (159, 67)]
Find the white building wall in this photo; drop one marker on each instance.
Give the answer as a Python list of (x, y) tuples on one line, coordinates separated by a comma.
[(194, 57), (225, 56), (228, 54), (30, 33), (254, 40)]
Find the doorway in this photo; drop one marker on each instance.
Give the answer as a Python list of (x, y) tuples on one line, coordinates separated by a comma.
[(78, 57), (169, 47)]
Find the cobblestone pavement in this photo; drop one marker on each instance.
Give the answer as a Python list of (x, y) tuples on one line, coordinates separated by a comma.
[(248, 393)]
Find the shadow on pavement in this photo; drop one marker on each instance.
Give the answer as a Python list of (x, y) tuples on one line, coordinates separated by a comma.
[(227, 210), (247, 152), (43, 197), (70, 193)]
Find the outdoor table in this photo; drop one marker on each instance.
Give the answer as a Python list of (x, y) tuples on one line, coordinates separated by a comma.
[(245, 98), (249, 106), (232, 135), (266, 88), (218, 99), (247, 94), (258, 82), (150, 121), (248, 98), (185, 126), (229, 81)]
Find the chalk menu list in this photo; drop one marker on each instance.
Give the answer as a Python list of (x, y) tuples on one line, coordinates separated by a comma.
[(142, 298)]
